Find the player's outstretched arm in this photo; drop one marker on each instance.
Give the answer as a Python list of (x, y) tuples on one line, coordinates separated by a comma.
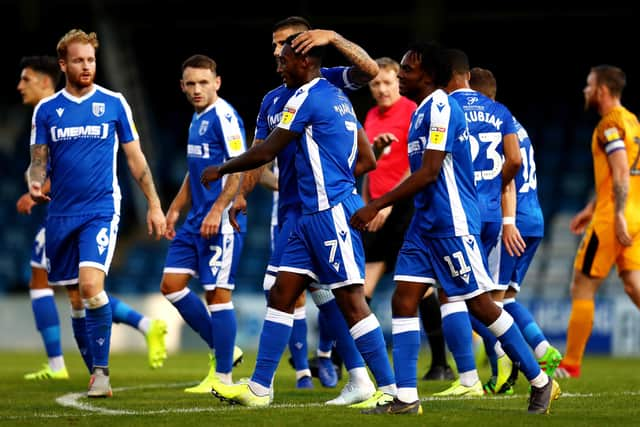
[(252, 177), (427, 174), (256, 156), (248, 182)]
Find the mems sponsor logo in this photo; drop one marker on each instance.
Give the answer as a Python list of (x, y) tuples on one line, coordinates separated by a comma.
[(416, 146), (273, 120), (74, 132)]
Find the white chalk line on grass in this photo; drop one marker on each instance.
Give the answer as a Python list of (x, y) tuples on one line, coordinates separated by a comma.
[(73, 400), (79, 401)]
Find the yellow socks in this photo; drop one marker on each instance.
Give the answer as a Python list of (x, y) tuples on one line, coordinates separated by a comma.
[(578, 331)]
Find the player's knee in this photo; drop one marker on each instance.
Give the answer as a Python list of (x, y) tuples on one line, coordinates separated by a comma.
[(281, 300), (353, 306), (404, 305), (218, 296), (483, 308), (96, 301), (170, 285)]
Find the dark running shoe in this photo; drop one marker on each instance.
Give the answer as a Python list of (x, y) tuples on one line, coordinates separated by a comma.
[(439, 373), (327, 372), (396, 407), (541, 397), (313, 367), (304, 382)]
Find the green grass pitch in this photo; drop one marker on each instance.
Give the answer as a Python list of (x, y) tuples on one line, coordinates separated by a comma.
[(607, 394)]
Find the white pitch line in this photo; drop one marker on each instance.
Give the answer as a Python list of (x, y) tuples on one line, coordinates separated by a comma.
[(515, 396), (73, 400)]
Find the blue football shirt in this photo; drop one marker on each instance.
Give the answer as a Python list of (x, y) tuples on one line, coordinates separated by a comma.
[(215, 135), (449, 206), (82, 135), (529, 218), (269, 116), (488, 122), (326, 150)]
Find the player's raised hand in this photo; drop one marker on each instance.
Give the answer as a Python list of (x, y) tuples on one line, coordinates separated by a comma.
[(210, 174), (310, 39), (383, 140)]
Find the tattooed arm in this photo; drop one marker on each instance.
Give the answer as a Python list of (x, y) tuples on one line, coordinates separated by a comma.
[(619, 165), (364, 67), (156, 222), (37, 172)]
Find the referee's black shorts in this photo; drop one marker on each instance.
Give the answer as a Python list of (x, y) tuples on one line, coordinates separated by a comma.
[(384, 244)]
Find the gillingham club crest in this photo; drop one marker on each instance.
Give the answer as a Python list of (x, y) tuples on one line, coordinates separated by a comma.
[(98, 108), (203, 127)]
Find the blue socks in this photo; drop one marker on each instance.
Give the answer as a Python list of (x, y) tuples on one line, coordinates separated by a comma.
[(525, 321), (334, 327), (456, 328), (370, 341), (325, 337), (194, 312), (98, 323), (276, 331), (406, 346), (79, 326), (298, 341), (489, 340), (514, 345), (224, 326), (122, 313), (47, 322)]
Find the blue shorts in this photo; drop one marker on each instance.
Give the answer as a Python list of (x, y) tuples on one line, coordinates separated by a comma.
[(38, 251), (460, 266), (79, 241), (279, 237), (491, 237), (214, 261), (513, 269), (413, 263), (325, 247), (273, 232)]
